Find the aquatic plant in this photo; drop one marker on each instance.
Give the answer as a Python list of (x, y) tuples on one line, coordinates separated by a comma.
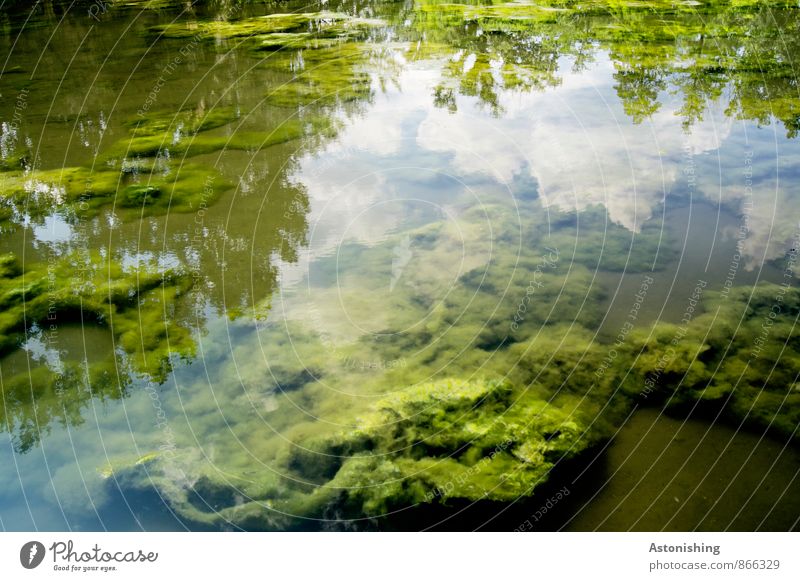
[(153, 143), (430, 443), (740, 356), (84, 191), (323, 75), (272, 31), (136, 304)]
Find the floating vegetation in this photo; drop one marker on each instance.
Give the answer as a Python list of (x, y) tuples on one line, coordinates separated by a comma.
[(324, 75), (153, 144), (148, 172), (273, 31), (136, 305), (431, 443), (142, 186), (133, 303), (726, 359), (186, 122)]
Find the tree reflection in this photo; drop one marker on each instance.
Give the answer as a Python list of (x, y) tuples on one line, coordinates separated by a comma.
[(698, 52)]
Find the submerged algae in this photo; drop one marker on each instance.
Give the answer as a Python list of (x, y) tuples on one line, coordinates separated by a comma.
[(142, 185), (137, 306), (434, 442), (148, 171), (741, 356), (188, 121), (458, 440), (154, 143), (134, 303), (323, 75), (273, 30)]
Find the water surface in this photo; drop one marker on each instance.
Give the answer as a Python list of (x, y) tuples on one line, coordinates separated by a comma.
[(376, 200)]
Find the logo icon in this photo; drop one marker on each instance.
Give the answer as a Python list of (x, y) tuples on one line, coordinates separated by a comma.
[(31, 554)]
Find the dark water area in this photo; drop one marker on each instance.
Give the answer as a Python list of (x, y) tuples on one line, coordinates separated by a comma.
[(399, 266)]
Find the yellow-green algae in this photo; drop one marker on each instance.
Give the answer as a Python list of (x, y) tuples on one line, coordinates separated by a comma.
[(701, 54), (148, 171), (434, 442), (273, 30), (324, 75), (491, 440), (136, 304), (143, 186), (157, 143), (746, 362), (188, 121)]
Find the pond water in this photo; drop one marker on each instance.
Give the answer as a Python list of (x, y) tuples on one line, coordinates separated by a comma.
[(399, 265)]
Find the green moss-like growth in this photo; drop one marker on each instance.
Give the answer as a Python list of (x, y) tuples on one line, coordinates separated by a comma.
[(144, 186), (14, 162), (147, 172), (323, 75), (430, 443), (749, 369), (137, 305), (589, 238), (152, 145), (453, 439), (273, 30), (190, 121)]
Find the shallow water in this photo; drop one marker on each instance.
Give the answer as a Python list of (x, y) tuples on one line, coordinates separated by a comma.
[(675, 474), (390, 241)]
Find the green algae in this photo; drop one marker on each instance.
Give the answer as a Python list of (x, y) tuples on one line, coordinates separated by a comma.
[(323, 75), (590, 239), (153, 143), (190, 121), (139, 173), (111, 469), (136, 305), (450, 440), (430, 443), (727, 358), (273, 30), (141, 186), (133, 303), (365, 482)]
